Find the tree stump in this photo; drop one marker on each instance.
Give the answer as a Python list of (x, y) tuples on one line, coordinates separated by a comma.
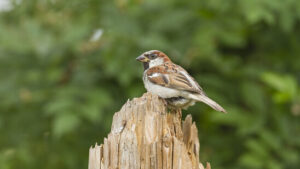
[(144, 135)]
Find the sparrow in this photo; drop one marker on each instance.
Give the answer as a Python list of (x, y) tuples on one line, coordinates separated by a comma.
[(171, 82)]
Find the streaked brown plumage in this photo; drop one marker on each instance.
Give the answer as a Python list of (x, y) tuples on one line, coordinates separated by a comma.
[(172, 82)]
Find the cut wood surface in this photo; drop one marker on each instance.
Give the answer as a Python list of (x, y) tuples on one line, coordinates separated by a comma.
[(145, 135)]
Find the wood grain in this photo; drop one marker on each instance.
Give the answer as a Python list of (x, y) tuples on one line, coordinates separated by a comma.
[(146, 135)]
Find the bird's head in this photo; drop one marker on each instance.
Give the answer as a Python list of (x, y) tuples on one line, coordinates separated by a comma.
[(153, 58)]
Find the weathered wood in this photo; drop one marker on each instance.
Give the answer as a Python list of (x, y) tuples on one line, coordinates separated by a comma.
[(144, 135)]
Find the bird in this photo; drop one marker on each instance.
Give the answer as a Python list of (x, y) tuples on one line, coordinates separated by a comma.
[(172, 82)]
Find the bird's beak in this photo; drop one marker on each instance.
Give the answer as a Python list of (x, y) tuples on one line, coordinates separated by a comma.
[(142, 58)]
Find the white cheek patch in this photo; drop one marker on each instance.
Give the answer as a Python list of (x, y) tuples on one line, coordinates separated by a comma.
[(156, 62)]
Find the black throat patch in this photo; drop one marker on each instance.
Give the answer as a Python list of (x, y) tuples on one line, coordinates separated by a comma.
[(146, 65)]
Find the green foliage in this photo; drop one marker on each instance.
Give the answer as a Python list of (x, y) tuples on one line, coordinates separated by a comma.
[(60, 84), (285, 86)]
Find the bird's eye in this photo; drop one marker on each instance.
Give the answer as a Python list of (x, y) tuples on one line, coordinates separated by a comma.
[(153, 56)]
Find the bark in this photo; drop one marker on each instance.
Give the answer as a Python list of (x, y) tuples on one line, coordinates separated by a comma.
[(146, 135)]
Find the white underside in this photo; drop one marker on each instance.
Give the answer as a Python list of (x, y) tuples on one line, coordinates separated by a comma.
[(166, 93), (161, 91)]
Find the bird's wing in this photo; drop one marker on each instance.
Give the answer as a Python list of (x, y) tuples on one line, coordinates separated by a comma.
[(173, 76)]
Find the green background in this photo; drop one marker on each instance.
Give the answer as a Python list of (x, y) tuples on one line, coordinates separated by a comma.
[(60, 86)]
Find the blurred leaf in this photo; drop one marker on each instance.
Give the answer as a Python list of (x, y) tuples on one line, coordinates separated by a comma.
[(64, 123), (253, 96), (291, 156), (271, 140), (285, 85), (58, 106), (251, 161), (272, 164), (242, 120), (258, 148)]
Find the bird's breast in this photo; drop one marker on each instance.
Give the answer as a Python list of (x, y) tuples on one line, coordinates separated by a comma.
[(159, 90)]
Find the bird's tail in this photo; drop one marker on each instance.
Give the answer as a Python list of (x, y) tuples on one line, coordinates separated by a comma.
[(208, 101)]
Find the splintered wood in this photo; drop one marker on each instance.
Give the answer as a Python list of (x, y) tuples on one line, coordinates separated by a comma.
[(144, 135)]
